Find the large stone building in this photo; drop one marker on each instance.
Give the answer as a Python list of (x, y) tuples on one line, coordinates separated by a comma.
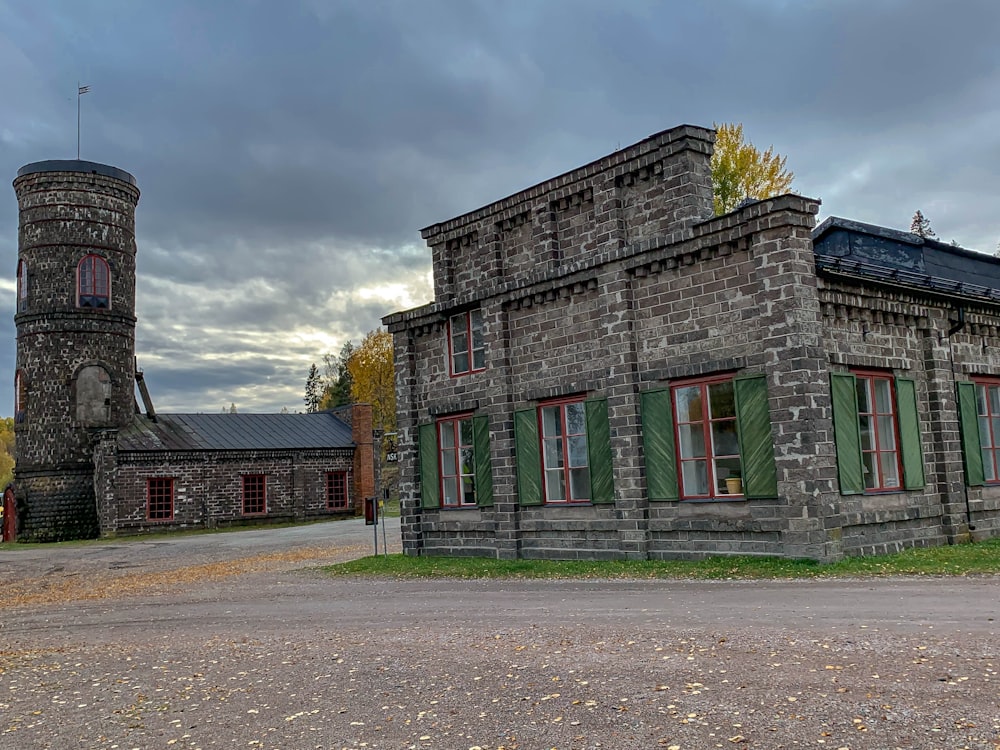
[(608, 370), (87, 460)]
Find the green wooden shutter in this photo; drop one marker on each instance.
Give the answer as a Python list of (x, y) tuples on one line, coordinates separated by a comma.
[(753, 425), (910, 448), (658, 444), (972, 448), (527, 449), (484, 471), (847, 433), (430, 480), (602, 480)]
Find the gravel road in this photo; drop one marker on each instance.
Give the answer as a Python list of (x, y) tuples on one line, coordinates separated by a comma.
[(276, 655)]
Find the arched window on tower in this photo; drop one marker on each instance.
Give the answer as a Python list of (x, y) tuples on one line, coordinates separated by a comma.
[(22, 286), (93, 282), (20, 394)]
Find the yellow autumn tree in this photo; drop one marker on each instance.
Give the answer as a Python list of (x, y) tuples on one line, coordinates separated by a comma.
[(373, 378), (6, 451), (740, 170)]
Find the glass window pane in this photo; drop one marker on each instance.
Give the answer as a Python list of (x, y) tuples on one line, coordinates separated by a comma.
[(450, 487), (996, 431), (576, 419), (890, 470), (577, 450), (459, 342), (695, 477), (553, 453), (871, 475), (687, 404), (727, 468), (724, 441), (555, 489), (721, 402), (984, 432), (461, 363), (692, 440), (469, 491), (551, 422), (981, 399), (867, 438), (448, 461), (886, 434), (478, 359), (477, 328), (468, 461), (447, 434), (579, 484), (989, 469), (864, 400), (883, 396), (465, 431), (994, 395)]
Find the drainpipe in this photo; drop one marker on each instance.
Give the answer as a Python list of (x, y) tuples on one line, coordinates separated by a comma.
[(957, 326)]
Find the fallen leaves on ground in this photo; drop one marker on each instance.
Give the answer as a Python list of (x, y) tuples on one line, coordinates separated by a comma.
[(51, 590)]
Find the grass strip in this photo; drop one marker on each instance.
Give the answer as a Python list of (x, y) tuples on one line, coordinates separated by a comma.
[(954, 560)]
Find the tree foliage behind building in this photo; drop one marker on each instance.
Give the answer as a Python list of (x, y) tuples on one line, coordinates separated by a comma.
[(921, 226), (740, 171), (373, 379), (6, 451)]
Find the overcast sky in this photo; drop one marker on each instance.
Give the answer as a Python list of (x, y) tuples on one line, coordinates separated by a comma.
[(288, 152)]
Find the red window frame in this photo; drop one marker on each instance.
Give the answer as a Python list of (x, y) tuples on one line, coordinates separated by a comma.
[(988, 414), (561, 469), (711, 428), (22, 286), (880, 452), (93, 282), (254, 494), (457, 461), (463, 343), (160, 499), (336, 490)]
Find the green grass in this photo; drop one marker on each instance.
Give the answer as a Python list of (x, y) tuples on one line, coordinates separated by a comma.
[(965, 559)]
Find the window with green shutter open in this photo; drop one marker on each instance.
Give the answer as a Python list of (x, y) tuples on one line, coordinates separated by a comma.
[(709, 439), (876, 432), (454, 461)]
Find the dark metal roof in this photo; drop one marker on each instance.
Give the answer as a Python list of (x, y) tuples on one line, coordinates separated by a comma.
[(76, 165), (192, 432), (857, 249)]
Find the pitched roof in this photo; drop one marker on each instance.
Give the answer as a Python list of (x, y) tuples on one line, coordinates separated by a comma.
[(191, 432)]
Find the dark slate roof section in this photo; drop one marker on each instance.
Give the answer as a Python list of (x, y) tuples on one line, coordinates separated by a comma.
[(856, 249), (194, 432)]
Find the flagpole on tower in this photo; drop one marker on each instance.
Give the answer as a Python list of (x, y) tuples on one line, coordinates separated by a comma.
[(80, 91)]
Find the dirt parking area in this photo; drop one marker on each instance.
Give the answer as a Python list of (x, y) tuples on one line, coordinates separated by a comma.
[(276, 655)]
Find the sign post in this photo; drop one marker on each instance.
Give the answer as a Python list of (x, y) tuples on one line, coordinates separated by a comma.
[(371, 517)]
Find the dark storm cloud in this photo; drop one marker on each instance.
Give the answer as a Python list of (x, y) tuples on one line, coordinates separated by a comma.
[(288, 153)]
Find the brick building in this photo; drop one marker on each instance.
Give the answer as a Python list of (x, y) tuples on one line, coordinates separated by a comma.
[(87, 461), (609, 371)]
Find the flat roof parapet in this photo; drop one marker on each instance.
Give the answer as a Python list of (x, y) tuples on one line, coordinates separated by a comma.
[(76, 165)]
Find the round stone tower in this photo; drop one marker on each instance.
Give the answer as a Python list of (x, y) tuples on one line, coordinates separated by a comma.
[(75, 319)]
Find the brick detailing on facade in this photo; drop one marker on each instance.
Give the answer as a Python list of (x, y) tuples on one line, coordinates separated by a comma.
[(614, 281)]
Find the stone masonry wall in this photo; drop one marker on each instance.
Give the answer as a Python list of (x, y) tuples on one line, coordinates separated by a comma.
[(208, 487), (907, 333), (64, 216), (611, 280)]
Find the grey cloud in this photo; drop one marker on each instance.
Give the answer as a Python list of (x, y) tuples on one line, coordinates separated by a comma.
[(288, 153)]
